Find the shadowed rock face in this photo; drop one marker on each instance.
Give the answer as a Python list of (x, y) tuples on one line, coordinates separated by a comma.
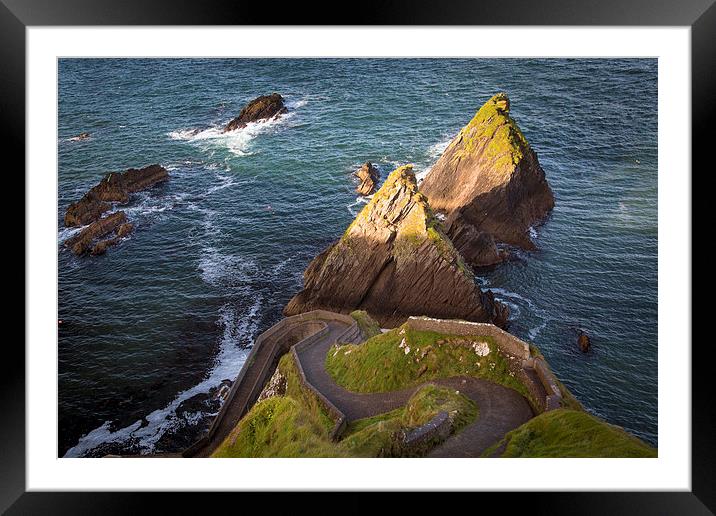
[(114, 187), (369, 178), (261, 108), (490, 185), (394, 261)]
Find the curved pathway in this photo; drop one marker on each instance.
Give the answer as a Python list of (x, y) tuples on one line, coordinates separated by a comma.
[(500, 409)]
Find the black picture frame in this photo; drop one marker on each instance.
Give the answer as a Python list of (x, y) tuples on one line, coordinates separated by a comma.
[(17, 15)]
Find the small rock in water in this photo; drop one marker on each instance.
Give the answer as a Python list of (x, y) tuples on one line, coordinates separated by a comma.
[(584, 342), (369, 177), (80, 137)]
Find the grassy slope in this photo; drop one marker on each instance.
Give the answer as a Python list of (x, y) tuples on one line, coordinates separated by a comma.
[(294, 425), (382, 364), (570, 433)]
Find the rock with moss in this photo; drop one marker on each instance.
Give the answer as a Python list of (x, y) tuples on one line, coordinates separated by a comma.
[(489, 185), (394, 261), (264, 107), (368, 176)]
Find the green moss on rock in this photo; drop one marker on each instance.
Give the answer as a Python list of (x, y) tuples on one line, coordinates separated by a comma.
[(493, 127)]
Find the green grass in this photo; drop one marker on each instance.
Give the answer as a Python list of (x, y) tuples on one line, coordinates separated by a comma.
[(381, 364), (290, 425), (570, 433), (294, 425), (368, 326), (277, 427), (378, 436), (505, 143)]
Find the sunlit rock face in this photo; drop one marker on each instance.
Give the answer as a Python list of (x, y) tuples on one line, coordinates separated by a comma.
[(395, 261), (489, 185)]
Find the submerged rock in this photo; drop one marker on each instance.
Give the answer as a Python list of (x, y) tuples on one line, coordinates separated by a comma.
[(584, 342), (489, 183), (261, 108), (84, 241), (80, 137), (394, 261), (369, 177), (114, 187)]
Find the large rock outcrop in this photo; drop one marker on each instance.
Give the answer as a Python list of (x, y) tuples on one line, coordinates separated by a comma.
[(394, 261), (114, 187), (490, 186), (261, 108), (368, 176)]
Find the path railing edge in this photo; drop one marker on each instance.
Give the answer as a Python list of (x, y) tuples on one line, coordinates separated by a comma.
[(283, 326)]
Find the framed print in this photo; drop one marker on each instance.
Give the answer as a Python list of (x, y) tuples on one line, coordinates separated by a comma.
[(358, 258)]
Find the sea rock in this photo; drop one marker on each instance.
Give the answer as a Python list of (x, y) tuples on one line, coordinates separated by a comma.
[(394, 261), (114, 187), (80, 137), (261, 108), (584, 342), (84, 241), (122, 231), (369, 177), (489, 182)]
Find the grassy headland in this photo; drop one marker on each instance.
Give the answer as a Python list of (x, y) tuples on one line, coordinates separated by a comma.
[(570, 433)]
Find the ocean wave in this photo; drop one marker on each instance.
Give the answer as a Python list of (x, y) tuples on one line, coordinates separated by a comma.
[(436, 150), (238, 141), (360, 200), (63, 234), (239, 331), (221, 270)]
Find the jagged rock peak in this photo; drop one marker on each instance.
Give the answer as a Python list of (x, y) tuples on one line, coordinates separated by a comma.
[(394, 261), (489, 184)]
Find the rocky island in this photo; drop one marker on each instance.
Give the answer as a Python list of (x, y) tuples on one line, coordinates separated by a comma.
[(368, 176), (395, 261), (115, 187), (264, 107), (489, 185)]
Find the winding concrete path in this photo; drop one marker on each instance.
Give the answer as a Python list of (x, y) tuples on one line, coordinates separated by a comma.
[(500, 409)]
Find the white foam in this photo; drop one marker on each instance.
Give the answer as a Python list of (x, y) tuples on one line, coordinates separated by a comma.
[(359, 200), (238, 141), (239, 332), (216, 267), (436, 150), (65, 233)]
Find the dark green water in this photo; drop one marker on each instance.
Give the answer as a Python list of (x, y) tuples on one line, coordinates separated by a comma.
[(159, 321)]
